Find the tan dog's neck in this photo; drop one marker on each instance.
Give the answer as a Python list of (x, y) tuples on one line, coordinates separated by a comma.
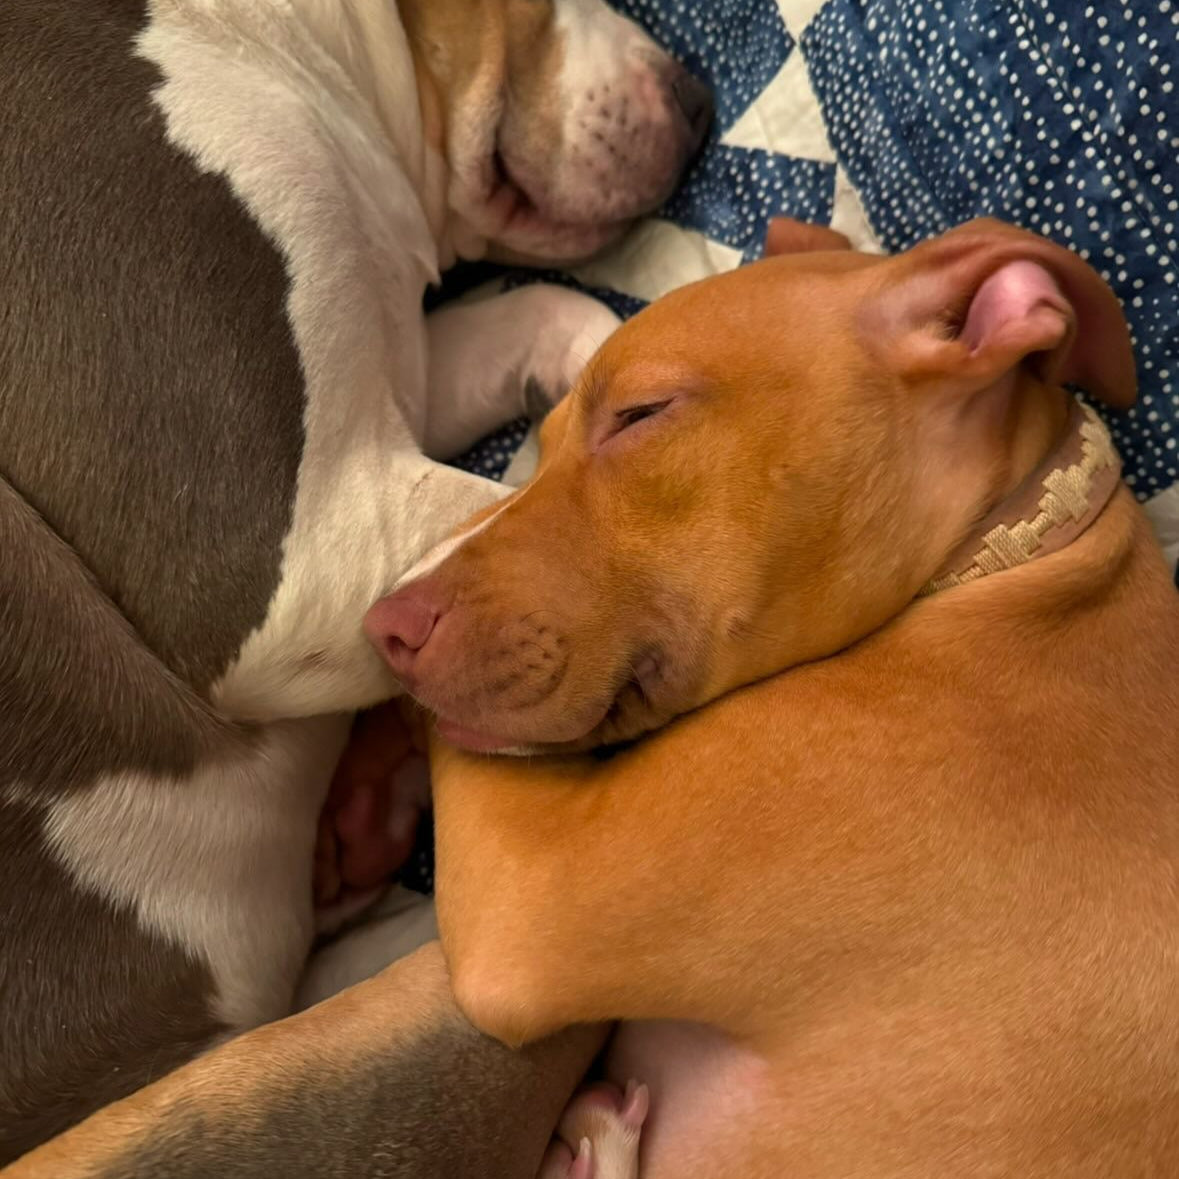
[(1049, 508)]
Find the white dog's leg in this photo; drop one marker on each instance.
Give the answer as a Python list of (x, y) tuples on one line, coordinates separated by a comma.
[(401, 922), (501, 357)]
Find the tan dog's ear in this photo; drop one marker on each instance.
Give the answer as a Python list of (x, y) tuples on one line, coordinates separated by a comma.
[(787, 236), (974, 303)]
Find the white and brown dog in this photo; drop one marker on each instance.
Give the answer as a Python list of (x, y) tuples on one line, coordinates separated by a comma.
[(220, 412)]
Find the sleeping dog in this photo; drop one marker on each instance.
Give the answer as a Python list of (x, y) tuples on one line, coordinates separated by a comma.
[(220, 413)]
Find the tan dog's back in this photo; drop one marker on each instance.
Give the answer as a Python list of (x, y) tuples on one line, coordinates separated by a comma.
[(944, 930), (962, 910)]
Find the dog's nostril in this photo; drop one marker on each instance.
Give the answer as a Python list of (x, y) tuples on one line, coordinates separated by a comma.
[(694, 99), (398, 655), (399, 627)]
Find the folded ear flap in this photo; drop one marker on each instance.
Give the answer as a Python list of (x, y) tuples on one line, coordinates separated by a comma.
[(787, 236), (973, 304)]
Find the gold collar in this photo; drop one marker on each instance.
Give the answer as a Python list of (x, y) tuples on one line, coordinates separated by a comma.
[(1049, 509)]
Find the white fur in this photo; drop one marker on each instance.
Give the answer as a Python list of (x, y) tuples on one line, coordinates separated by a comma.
[(478, 350), (400, 923), (258, 100), (218, 863), (603, 39)]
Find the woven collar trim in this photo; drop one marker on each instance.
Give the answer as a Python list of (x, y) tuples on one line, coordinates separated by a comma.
[(1048, 511)]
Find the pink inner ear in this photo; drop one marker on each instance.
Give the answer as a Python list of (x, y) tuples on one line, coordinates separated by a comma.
[(1018, 310)]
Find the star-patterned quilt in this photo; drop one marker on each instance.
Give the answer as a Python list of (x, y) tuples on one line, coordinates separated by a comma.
[(893, 120)]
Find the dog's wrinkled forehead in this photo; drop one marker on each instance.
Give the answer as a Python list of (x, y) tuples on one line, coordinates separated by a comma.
[(527, 39), (531, 33), (468, 35)]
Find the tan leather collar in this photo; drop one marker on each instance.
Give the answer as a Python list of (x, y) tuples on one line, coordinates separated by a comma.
[(1049, 509)]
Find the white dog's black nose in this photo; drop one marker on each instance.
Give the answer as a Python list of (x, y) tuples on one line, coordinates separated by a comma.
[(694, 99)]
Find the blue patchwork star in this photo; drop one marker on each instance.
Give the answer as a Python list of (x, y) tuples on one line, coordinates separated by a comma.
[(739, 47)]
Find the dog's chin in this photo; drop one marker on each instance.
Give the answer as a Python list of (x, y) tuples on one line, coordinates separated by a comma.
[(523, 231), (628, 714), (487, 737)]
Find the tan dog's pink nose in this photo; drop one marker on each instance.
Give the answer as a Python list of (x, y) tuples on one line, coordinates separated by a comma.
[(399, 626)]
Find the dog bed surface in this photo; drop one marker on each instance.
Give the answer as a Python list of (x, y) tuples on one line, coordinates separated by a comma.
[(893, 120)]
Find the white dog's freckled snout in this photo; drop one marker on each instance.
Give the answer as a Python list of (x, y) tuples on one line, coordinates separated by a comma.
[(630, 118)]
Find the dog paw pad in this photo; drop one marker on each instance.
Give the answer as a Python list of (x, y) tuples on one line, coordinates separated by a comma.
[(605, 1123)]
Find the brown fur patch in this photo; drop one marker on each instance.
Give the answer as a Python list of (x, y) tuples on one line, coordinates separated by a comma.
[(150, 393), (93, 1007), (385, 1080), (142, 405)]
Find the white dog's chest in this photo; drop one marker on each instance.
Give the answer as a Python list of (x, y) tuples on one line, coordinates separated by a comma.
[(316, 175)]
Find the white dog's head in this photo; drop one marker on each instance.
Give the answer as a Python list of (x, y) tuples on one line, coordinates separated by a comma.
[(560, 120)]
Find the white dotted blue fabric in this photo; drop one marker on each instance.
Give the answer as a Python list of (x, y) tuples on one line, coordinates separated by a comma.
[(740, 46), (897, 119), (1059, 117)]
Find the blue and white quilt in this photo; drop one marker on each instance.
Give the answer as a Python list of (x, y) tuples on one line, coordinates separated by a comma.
[(893, 120)]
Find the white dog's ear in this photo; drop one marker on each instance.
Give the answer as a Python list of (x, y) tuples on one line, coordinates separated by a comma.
[(973, 304)]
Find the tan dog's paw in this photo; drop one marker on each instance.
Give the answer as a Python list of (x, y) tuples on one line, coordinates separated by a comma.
[(598, 1135), (370, 820)]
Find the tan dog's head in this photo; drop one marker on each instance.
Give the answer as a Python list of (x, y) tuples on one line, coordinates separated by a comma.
[(755, 472), (560, 120)]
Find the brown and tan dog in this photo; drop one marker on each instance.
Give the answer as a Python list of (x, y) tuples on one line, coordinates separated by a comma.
[(907, 906), (222, 418)]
